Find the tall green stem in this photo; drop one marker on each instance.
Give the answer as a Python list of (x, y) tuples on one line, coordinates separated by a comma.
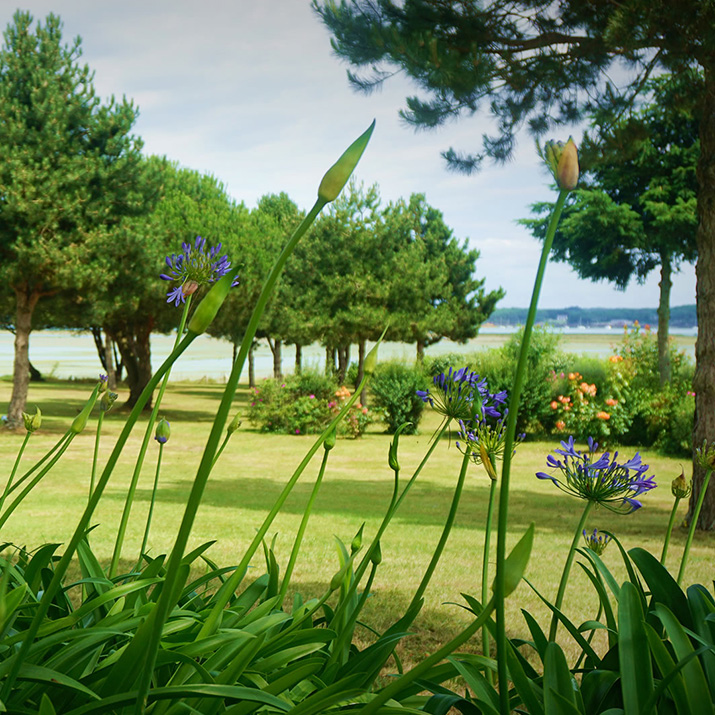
[(485, 567), (151, 503), (445, 532), (499, 584), (129, 500), (97, 434), (6, 491), (567, 569), (669, 530), (693, 524)]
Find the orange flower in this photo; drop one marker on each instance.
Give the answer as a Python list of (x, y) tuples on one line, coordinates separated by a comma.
[(572, 375), (615, 358), (603, 416), (560, 425), (611, 402), (554, 405)]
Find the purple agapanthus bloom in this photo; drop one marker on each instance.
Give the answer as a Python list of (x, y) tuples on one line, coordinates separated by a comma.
[(463, 395), (601, 480), (193, 267)]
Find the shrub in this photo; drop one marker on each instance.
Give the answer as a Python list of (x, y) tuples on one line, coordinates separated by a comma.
[(304, 404), (394, 387)]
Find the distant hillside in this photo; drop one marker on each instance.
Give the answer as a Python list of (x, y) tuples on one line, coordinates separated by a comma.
[(681, 316)]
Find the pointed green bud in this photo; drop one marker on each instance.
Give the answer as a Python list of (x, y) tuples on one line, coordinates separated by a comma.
[(32, 422), (80, 422), (705, 456), (329, 442), (392, 456), (376, 557), (338, 174), (234, 424), (562, 160), (208, 308), (163, 431), (679, 486), (487, 462), (356, 543)]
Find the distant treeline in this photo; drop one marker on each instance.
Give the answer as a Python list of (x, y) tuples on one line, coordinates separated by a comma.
[(681, 316)]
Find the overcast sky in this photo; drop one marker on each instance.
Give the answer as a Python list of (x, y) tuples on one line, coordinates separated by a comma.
[(249, 91)]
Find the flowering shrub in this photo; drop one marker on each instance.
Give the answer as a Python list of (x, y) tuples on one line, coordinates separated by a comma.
[(304, 404), (583, 412)]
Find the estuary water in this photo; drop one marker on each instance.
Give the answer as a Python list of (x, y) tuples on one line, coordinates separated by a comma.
[(66, 355)]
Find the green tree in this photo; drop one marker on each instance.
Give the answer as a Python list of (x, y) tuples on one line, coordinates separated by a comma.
[(635, 209), (434, 293), (68, 168), (544, 64)]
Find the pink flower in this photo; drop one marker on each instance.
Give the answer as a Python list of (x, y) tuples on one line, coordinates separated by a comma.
[(297, 431), (312, 397)]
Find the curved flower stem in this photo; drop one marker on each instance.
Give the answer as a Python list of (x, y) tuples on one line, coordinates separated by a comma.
[(100, 419), (499, 583), (6, 491), (219, 451), (669, 530), (301, 529), (38, 464), (693, 524), (485, 568), (151, 503), (121, 531), (445, 532), (567, 569)]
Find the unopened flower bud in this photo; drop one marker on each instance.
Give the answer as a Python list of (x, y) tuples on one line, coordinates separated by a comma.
[(706, 456), (376, 557), (103, 379), (163, 431), (107, 401), (562, 159), (234, 424), (596, 542), (370, 361), (32, 422), (680, 487), (357, 540), (208, 308), (338, 174), (80, 422), (329, 442)]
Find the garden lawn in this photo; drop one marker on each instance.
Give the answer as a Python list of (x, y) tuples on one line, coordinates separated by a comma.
[(357, 489)]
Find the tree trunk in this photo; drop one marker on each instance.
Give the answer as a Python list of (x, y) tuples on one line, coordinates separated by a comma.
[(664, 320), (343, 361), (135, 348), (330, 354), (704, 380), (361, 371), (298, 359), (109, 362), (275, 347), (26, 300), (420, 352), (252, 365)]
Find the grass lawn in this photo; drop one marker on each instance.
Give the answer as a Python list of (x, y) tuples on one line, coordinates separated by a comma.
[(356, 489)]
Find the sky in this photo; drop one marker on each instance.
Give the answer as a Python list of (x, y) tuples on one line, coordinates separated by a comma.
[(251, 92)]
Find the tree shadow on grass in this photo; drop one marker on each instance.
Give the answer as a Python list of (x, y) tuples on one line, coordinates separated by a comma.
[(427, 504)]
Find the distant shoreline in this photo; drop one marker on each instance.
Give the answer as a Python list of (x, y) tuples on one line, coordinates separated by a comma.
[(67, 355)]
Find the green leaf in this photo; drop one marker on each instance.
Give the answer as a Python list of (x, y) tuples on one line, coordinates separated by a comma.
[(633, 651), (695, 683), (529, 692), (559, 685), (46, 707), (670, 674), (323, 698)]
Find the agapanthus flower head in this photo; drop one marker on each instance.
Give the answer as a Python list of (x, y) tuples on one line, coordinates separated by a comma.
[(484, 441), (599, 479), (596, 541), (463, 395), (195, 266)]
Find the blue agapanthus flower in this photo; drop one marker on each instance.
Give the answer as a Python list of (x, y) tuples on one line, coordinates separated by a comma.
[(193, 267), (463, 395), (601, 480)]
